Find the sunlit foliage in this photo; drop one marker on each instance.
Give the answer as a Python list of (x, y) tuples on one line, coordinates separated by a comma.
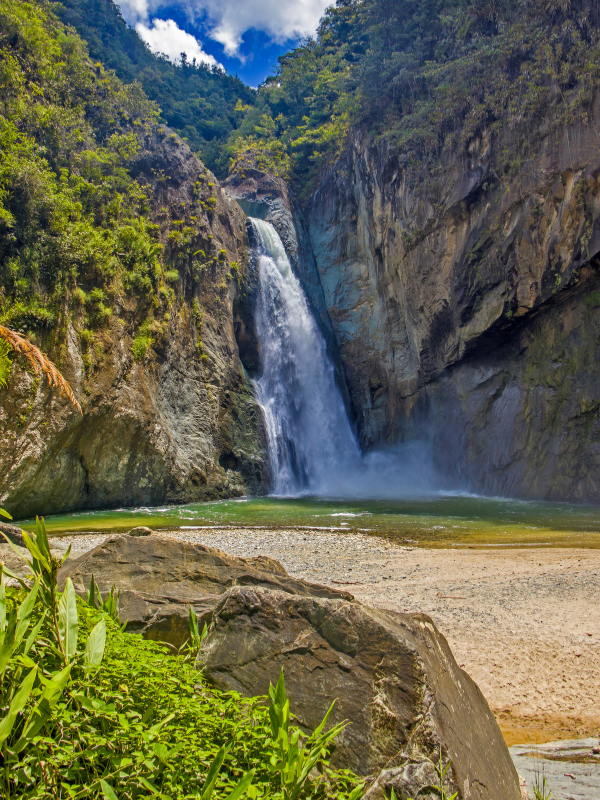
[(427, 76)]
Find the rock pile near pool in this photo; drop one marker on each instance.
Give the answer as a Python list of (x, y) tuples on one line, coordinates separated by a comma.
[(160, 577), (13, 533)]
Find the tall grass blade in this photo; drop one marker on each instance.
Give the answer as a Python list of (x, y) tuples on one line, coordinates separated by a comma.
[(193, 619), (18, 703), (43, 710), (42, 537), (213, 774), (91, 597), (2, 602), (25, 611), (35, 551), (242, 786), (34, 634)]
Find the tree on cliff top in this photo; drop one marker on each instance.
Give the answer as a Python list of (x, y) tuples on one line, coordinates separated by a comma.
[(426, 76)]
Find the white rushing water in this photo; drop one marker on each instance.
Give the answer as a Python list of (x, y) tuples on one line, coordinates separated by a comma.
[(312, 447), (310, 438)]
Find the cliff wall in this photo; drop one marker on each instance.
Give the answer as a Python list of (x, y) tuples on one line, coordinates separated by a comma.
[(168, 412), (268, 197), (465, 303)]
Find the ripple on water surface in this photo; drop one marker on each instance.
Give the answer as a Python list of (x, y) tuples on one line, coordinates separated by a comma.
[(432, 521)]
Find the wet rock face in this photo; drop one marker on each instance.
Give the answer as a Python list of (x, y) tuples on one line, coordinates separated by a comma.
[(179, 425), (521, 417), (268, 197), (426, 278), (393, 677)]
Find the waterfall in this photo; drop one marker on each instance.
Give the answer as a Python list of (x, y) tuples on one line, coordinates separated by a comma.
[(311, 443), (312, 447)]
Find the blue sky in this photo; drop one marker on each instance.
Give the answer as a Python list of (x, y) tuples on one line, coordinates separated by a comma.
[(243, 36)]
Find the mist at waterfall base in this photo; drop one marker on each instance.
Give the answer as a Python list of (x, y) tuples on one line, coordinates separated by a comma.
[(322, 479), (312, 447)]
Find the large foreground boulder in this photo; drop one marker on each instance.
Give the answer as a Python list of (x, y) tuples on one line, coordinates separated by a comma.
[(159, 577), (393, 677)]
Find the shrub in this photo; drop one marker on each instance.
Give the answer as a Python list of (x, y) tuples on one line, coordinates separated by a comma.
[(91, 711), (140, 346), (171, 276), (5, 362)]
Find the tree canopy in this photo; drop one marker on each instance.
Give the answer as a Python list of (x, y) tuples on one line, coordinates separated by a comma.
[(426, 75), (198, 101)]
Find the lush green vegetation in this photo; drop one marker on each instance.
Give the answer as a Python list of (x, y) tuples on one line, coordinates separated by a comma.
[(427, 76), (88, 711), (198, 101), (73, 232), (82, 240)]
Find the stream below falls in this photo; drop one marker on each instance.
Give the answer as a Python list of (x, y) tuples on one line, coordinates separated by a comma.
[(434, 520)]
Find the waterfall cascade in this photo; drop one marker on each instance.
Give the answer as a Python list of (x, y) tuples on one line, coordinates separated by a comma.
[(310, 439), (312, 447)]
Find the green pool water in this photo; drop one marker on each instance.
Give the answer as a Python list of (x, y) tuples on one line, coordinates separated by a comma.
[(431, 521)]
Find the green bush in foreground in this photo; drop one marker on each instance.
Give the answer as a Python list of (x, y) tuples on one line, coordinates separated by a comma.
[(89, 711)]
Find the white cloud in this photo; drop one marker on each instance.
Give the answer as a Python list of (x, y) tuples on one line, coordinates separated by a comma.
[(228, 20), (279, 19), (134, 11), (165, 36)]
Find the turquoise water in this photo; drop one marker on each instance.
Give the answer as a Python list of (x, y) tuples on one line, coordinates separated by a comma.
[(434, 520)]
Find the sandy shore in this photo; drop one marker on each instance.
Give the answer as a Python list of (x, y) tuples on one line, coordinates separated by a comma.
[(523, 622)]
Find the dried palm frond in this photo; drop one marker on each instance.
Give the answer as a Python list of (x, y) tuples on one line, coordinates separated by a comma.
[(39, 361)]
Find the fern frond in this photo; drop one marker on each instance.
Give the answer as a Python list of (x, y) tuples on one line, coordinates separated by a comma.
[(39, 361)]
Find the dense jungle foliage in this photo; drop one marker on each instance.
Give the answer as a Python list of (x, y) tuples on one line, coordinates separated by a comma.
[(428, 76), (198, 101), (88, 711), (71, 219), (77, 241)]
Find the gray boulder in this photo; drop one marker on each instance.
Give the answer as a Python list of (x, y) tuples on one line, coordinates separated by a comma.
[(160, 577), (393, 677), (13, 533)]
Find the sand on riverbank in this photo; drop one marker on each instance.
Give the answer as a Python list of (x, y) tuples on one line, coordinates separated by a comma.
[(523, 623)]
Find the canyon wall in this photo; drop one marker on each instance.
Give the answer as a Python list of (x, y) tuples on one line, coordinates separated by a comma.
[(176, 424), (268, 197), (465, 303)]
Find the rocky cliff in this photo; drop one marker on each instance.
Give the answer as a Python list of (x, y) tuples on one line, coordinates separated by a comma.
[(465, 303), (168, 412), (265, 196)]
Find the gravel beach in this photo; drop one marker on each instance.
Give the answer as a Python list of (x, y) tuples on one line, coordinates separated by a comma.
[(523, 623)]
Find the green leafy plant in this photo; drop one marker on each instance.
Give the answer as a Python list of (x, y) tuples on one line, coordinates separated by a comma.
[(109, 606), (5, 362), (196, 637), (140, 346), (540, 792), (292, 760), (61, 607), (141, 721)]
